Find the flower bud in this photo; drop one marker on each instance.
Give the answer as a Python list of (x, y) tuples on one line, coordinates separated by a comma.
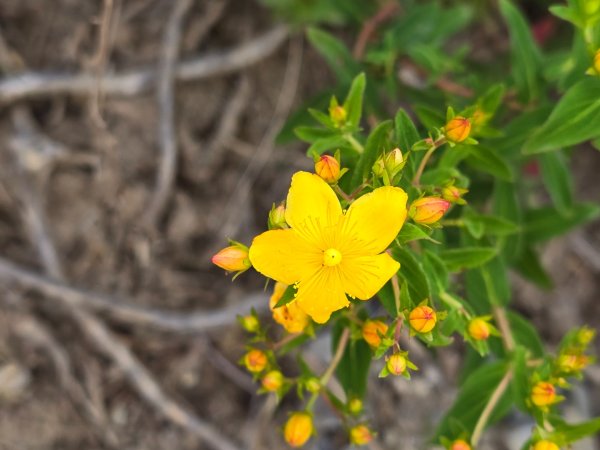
[(337, 114), (328, 168), (396, 364), (233, 258), (571, 363), (428, 210), (250, 323), (479, 329), (272, 381), (313, 385), (289, 316), (360, 435), (543, 394), (453, 194), (545, 445), (371, 331), (422, 319), (298, 429), (457, 129), (597, 61), (585, 335), (276, 219), (355, 406), (255, 361), (460, 444), (479, 117), (391, 163)]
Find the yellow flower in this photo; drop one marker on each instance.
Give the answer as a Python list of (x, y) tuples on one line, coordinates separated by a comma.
[(545, 445), (298, 429), (371, 331), (328, 253), (289, 316)]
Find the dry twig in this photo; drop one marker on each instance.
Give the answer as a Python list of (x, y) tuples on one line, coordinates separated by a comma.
[(135, 82)]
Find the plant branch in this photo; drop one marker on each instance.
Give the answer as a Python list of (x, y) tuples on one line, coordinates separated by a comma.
[(434, 146), (504, 326), (343, 342)]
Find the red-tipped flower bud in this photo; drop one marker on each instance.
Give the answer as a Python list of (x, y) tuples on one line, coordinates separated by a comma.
[(298, 429), (396, 364), (272, 381), (545, 445), (233, 258), (460, 444), (428, 210), (543, 394), (360, 435), (255, 361), (453, 194), (479, 329), (372, 330), (457, 129), (328, 168), (422, 319)]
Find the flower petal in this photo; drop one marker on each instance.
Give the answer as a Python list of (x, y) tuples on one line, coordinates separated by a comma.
[(284, 256), (322, 294), (312, 208), (373, 221), (363, 276)]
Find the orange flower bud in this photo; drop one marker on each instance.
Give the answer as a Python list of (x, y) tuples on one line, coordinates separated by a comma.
[(479, 329), (250, 323), (396, 364), (289, 316), (460, 444), (371, 331), (355, 406), (543, 394), (277, 218), (272, 381), (453, 194), (233, 258), (597, 61), (337, 114), (328, 168), (428, 210), (255, 361), (298, 429), (458, 129), (545, 445), (360, 435), (422, 319)]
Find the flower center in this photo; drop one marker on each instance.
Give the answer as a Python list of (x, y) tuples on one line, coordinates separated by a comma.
[(332, 257)]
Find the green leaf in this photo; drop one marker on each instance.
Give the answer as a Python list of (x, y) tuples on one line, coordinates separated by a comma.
[(525, 54), (354, 100), (486, 160), (336, 54), (574, 120), (312, 134), (436, 272), (492, 225), (520, 380), (405, 132), (472, 398), (386, 296), (411, 232), (495, 279), (544, 223), (412, 272), (525, 334), (353, 368), (530, 267), (324, 144), (506, 204), (568, 433), (288, 295), (467, 257), (376, 143)]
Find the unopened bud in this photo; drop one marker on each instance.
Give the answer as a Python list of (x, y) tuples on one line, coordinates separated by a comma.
[(479, 117), (338, 115), (479, 329), (355, 406), (457, 129), (460, 444), (233, 258), (360, 435), (545, 445), (328, 168), (276, 219), (255, 361), (391, 163), (453, 194), (372, 330), (570, 363), (585, 335), (396, 364), (543, 394), (422, 319), (298, 429), (272, 381), (313, 385), (250, 323), (428, 210)]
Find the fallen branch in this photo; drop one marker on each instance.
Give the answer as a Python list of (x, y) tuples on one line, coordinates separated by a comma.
[(35, 84)]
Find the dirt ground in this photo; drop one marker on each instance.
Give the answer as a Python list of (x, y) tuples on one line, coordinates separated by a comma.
[(78, 196)]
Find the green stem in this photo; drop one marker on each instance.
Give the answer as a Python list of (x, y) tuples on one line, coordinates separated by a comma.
[(354, 143), (434, 146)]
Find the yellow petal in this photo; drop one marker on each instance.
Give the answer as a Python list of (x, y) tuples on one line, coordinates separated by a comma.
[(312, 209), (322, 294), (373, 221), (363, 276), (284, 256)]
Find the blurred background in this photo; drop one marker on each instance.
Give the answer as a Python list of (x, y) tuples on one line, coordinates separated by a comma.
[(136, 136)]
